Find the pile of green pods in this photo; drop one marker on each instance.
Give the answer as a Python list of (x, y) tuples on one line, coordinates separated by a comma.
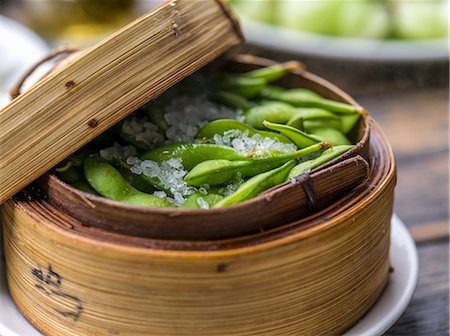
[(214, 174)]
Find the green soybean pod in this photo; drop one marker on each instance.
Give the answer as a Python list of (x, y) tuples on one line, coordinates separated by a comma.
[(216, 172), (325, 157), (307, 118), (232, 99), (300, 138), (257, 184), (201, 201), (331, 135), (307, 98), (310, 125), (137, 181), (244, 86), (108, 182), (192, 154), (274, 72), (349, 121), (276, 112), (220, 126)]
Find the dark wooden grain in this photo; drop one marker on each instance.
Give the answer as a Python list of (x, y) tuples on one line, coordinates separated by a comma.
[(428, 312), (411, 103)]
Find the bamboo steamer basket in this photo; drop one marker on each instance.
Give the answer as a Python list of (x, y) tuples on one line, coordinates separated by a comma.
[(315, 276), (269, 272), (279, 206)]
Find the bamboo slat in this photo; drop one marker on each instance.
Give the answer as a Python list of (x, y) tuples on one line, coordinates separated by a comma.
[(316, 276), (105, 83)]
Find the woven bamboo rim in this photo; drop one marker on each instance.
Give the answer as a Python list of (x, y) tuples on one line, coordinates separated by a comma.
[(273, 208), (314, 276)]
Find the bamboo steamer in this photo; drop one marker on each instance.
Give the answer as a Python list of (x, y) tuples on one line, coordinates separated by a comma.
[(276, 207), (318, 275)]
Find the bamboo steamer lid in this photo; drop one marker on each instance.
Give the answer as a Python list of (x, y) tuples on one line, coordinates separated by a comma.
[(105, 83)]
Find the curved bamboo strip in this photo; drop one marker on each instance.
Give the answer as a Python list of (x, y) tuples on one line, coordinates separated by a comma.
[(314, 276)]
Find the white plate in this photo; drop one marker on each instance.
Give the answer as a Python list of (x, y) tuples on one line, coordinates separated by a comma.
[(20, 48), (380, 318), (345, 48)]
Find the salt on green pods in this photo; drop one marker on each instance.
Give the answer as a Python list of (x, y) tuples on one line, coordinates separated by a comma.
[(300, 138), (326, 156), (331, 135), (192, 154), (275, 112), (232, 99), (274, 72), (108, 182), (308, 98), (201, 201), (221, 126), (137, 181), (257, 184), (216, 172)]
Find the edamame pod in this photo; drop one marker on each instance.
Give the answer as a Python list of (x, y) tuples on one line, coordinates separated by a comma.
[(192, 154), (257, 184), (201, 201), (308, 98), (300, 138), (232, 99), (220, 126), (276, 112), (274, 72), (311, 125), (306, 116), (331, 135), (244, 86), (108, 182), (215, 172), (348, 122), (137, 181), (325, 157)]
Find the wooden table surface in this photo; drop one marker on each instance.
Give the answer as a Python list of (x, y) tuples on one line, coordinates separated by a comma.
[(411, 103)]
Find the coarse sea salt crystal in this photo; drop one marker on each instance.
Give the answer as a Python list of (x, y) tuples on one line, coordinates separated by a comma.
[(202, 203), (143, 131), (117, 152), (132, 160), (170, 174), (242, 142), (160, 194)]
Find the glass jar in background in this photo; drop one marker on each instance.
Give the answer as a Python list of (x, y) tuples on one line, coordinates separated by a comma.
[(78, 22)]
